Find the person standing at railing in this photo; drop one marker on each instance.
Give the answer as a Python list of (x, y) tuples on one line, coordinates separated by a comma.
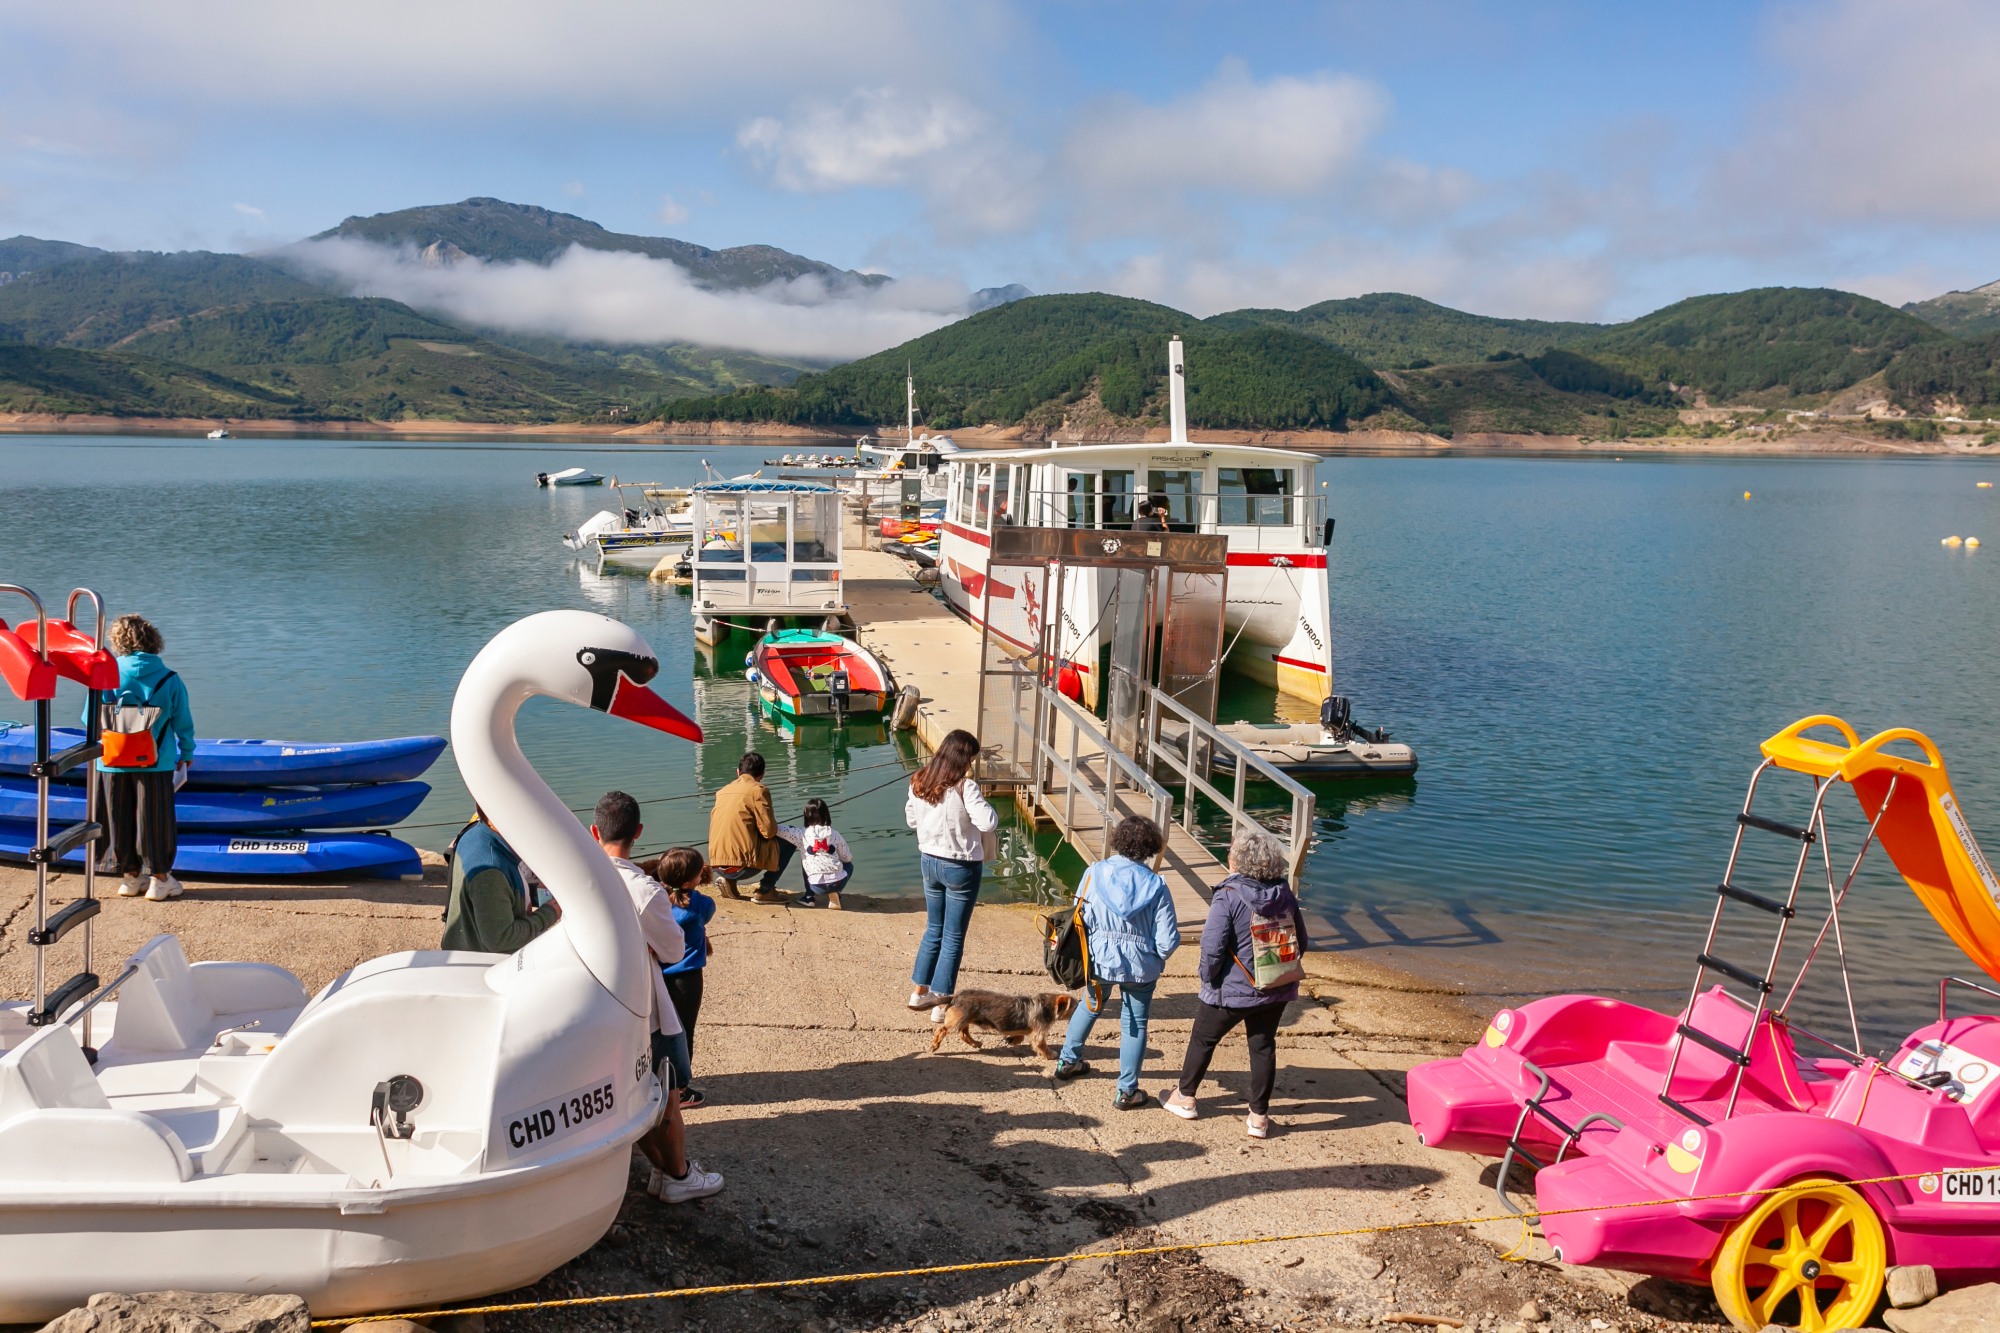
[(146, 765)]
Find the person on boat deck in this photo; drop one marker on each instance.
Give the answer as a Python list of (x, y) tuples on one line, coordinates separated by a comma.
[(139, 802), (1131, 928), (743, 834), (488, 911), (675, 1178)]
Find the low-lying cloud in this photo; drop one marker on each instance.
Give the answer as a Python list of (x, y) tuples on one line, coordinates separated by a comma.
[(612, 297)]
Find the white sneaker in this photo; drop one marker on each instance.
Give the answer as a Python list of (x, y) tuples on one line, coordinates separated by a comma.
[(938, 1012), (696, 1184), (158, 891), (173, 887), (920, 998), (1257, 1126), (131, 886)]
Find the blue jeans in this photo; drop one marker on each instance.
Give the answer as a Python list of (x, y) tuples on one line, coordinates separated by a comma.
[(950, 889), (1135, 1006)]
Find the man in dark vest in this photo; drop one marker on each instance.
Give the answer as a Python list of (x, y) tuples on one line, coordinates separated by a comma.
[(488, 909)]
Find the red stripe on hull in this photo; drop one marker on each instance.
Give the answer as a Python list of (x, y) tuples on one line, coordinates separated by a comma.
[(1282, 660), (969, 534), (1260, 560)]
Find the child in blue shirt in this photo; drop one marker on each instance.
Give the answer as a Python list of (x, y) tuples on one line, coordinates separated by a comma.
[(679, 869)]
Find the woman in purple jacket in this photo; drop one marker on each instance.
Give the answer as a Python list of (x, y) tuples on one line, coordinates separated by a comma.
[(1229, 995)]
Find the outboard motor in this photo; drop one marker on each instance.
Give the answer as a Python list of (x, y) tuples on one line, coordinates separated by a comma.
[(1336, 717)]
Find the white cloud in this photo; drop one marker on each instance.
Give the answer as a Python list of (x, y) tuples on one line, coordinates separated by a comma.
[(1885, 116), (249, 211), (1281, 137), (671, 212), (574, 189), (973, 175), (617, 297)]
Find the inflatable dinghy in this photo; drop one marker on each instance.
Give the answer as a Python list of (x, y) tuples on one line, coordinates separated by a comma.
[(370, 805), (260, 763)]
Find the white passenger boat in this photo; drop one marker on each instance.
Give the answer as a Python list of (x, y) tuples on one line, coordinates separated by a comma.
[(432, 1126), (766, 552), (219, 433), (1265, 501)]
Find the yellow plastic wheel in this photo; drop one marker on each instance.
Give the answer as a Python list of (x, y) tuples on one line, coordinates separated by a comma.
[(1810, 1257)]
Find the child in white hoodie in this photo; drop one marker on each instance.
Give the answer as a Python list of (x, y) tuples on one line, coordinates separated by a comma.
[(822, 852)]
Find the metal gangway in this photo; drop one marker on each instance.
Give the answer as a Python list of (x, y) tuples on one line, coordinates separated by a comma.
[(1160, 603)]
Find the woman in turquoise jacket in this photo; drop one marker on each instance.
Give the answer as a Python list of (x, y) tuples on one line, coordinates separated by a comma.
[(139, 802), (1129, 922)]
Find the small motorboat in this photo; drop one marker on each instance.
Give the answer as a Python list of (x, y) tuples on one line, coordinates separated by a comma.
[(432, 1126), (1334, 747), (570, 476), (810, 673), (219, 433), (231, 763), (1715, 1145)]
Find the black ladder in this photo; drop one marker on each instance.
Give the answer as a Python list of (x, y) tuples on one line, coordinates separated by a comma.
[(1807, 835)]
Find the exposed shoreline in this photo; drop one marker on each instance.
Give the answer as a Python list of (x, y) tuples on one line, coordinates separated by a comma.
[(848, 1147), (1832, 441)]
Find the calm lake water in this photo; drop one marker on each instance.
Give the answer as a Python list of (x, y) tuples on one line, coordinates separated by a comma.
[(1585, 652)]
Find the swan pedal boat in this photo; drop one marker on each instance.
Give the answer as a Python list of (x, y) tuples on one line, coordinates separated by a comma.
[(432, 1126), (1726, 1144)]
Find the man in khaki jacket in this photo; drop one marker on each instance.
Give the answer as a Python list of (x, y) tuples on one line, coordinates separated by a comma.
[(743, 834)]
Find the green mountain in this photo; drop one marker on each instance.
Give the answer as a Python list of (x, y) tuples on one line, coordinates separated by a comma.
[(1964, 313), (102, 299), (1968, 372), (1390, 330), (64, 379), (493, 229), (1774, 341), (20, 255), (374, 358), (1044, 357)]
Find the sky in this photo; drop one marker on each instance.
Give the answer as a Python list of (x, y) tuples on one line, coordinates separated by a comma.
[(1562, 159)]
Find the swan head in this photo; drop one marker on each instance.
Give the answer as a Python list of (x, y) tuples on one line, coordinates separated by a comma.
[(594, 662)]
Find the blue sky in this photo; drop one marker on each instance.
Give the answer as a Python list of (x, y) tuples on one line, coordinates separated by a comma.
[(1561, 160)]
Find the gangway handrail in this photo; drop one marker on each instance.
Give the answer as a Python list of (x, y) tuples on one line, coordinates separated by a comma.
[(1075, 767), (1204, 737)]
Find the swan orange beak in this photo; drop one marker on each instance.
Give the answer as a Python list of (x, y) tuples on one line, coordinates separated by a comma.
[(637, 703)]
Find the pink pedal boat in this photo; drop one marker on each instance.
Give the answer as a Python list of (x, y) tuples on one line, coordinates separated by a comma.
[(1706, 1145)]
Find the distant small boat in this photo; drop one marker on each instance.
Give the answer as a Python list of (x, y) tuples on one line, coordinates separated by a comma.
[(219, 433), (570, 476), (810, 673)]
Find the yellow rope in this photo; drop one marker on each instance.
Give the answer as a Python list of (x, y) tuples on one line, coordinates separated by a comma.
[(988, 1265)]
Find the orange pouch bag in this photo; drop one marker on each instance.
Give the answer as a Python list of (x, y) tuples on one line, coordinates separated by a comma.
[(128, 736)]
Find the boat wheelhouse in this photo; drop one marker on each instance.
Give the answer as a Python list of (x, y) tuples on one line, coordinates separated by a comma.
[(1265, 501), (764, 551)]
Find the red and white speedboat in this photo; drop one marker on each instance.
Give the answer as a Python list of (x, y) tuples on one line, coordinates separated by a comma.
[(1265, 501)]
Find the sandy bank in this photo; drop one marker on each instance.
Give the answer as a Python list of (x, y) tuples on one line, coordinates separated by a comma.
[(1818, 441), (847, 1147)]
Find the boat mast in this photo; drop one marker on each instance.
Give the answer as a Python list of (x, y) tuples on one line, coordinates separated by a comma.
[(1176, 393), (910, 392)]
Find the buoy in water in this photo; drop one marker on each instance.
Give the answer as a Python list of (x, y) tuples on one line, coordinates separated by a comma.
[(1953, 541), (1746, 495), (1971, 541), (1983, 485)]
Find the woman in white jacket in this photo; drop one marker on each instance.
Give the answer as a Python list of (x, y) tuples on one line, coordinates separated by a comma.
[(949, 814)]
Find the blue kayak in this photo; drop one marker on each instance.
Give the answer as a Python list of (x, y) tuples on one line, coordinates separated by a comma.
[(371, 805), (253, 763), (270, 856)]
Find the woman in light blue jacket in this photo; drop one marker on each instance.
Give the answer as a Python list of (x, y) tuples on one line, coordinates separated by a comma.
[(1130, 926)]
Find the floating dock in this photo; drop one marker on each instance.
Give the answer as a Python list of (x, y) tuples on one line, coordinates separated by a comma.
[(926, 645)]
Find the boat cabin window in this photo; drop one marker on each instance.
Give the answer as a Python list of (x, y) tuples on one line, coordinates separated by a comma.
[(1003, 512), (767, 531), (1254, 497), (982, 498), (812, 528), (1118, 509), (1082, 499), (965, 487), (723, 540), (1174, 500)]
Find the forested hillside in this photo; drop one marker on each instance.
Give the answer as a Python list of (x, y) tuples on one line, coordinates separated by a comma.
[(1392, 331), (100, 299), (1967, 314), (63, 379), (1966, 373)]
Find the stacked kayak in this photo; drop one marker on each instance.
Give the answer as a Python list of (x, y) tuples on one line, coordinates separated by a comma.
[(261, 808)]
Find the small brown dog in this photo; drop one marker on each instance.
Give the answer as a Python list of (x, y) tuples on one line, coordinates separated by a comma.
[(1018, 1018)]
